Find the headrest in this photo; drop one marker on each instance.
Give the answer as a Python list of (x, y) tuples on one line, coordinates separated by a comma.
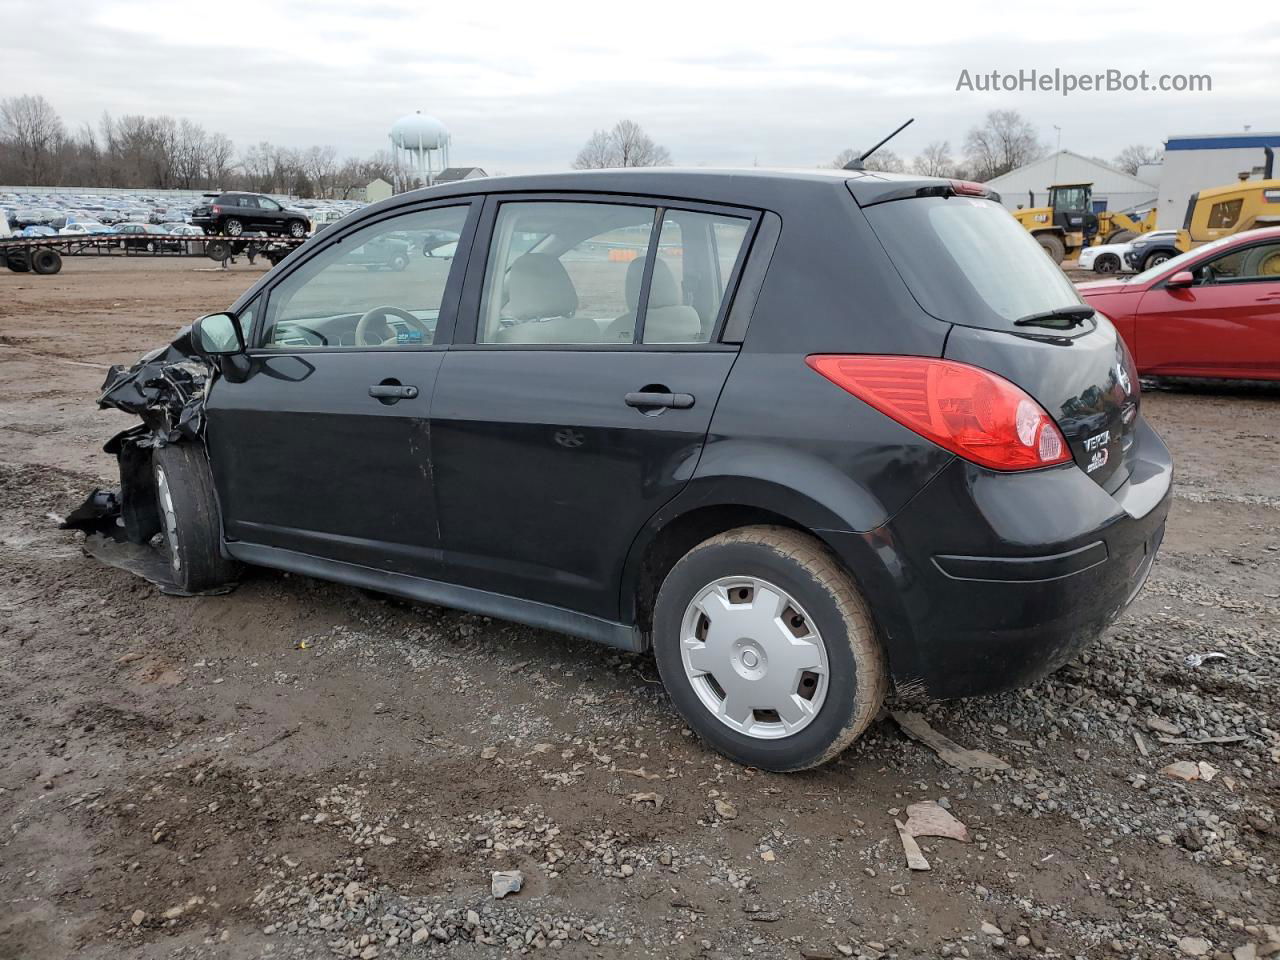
[(663, 290), (538, 286)]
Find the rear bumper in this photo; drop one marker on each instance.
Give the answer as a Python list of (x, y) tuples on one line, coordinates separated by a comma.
[(988, 581)]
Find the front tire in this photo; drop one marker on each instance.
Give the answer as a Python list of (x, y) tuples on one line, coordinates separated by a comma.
[(1155, 259), (189, 519), (297, 229), (1052, 245), (767, 648)]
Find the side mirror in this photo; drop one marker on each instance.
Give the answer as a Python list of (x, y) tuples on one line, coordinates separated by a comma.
[(1183, 278), (217, 335)]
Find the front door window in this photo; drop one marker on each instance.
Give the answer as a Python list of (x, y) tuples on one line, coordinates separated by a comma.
[(380, 287)]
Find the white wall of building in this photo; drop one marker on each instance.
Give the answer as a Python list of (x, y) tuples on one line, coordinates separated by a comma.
[(1194, 163), (1121, 191)]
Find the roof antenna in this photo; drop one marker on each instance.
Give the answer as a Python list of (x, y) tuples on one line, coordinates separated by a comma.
[(857, 162)]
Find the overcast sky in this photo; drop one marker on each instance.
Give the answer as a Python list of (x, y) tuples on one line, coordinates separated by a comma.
[(522, 85)]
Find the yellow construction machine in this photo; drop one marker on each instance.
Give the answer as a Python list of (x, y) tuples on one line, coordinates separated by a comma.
[(1069, 224), (1222, 211)]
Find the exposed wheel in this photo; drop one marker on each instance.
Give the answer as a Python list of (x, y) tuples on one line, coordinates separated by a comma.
[(767, 648), (189, 518), (297, 229), (217, 249), (17, 261), (233, 227), (1053, 246), (1106, 263), (46, 261), (151, 246), (399, 262), (1120, 236), (1155, 259)]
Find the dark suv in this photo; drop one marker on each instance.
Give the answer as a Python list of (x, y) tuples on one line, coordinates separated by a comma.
[(799, 434), (237, 213)]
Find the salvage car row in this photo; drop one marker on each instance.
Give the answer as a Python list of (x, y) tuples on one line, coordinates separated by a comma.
[(57, 210)]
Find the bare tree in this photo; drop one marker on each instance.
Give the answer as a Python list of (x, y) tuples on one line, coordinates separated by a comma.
[(321, 167), (217, 159), (1132, 157), (1004, 142), (189, 152), (885, 161), (256, 163), (626, 145), (32, 129), (935, 160)]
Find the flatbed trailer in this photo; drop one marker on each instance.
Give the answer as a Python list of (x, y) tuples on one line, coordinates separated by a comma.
[(44, 255)]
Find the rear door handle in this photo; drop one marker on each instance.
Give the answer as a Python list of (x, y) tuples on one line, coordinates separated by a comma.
[(648, 400), (394, 391)]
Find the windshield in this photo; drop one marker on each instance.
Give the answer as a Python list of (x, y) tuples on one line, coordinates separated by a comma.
[(968, 261), (1174, 264)]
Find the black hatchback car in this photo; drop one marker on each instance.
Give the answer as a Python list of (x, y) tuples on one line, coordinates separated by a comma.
[(237, 213), (799, 434)]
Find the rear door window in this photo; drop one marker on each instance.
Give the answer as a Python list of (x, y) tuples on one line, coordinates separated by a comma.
[(575, 273), (967, 260)]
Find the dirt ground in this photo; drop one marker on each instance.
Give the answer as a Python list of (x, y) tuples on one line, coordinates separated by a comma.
[(304, 770)]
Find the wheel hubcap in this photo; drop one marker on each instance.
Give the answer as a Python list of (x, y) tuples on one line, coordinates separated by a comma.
[(754, 657)]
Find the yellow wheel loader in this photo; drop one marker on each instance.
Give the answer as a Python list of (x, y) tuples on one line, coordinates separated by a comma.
[(1235, 208), (1069, 224)]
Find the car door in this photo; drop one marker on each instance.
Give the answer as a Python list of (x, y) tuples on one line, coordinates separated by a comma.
[(270, 214), (576, 400), (1227, 324), (321, 444)]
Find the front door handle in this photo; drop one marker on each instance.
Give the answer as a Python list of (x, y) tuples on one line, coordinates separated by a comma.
[(1270, 296), (652, 400), (393, 391)]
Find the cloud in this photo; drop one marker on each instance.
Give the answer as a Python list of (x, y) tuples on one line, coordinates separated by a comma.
[(522, 85)]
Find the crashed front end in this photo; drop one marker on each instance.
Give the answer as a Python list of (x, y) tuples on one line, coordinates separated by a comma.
[(167, 390)]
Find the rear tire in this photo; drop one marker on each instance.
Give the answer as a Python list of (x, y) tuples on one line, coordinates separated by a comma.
[(817, 600), (189, 519), (17, 261), (1107, 263), (1052, 245), (232, 227)]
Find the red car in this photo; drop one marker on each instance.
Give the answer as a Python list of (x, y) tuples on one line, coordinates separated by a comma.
[(1212, 312)]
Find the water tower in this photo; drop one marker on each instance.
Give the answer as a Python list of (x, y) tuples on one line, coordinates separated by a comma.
[(420, 145)]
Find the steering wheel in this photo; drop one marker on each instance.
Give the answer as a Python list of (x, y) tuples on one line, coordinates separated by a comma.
[(366, 332)]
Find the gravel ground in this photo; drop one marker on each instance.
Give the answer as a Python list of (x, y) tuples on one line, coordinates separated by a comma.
[(304, 770)]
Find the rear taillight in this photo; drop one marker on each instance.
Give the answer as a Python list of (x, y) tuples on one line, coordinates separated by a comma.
[(967, 410), (215, 209)]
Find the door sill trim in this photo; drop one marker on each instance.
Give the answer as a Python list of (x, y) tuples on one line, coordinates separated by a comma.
[(542, 615)]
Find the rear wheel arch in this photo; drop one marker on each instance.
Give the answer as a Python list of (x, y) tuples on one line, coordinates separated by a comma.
[(695, 516)]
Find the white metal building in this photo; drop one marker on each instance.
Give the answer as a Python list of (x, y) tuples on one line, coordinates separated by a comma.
[(1112, 189), (1197, 162)]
